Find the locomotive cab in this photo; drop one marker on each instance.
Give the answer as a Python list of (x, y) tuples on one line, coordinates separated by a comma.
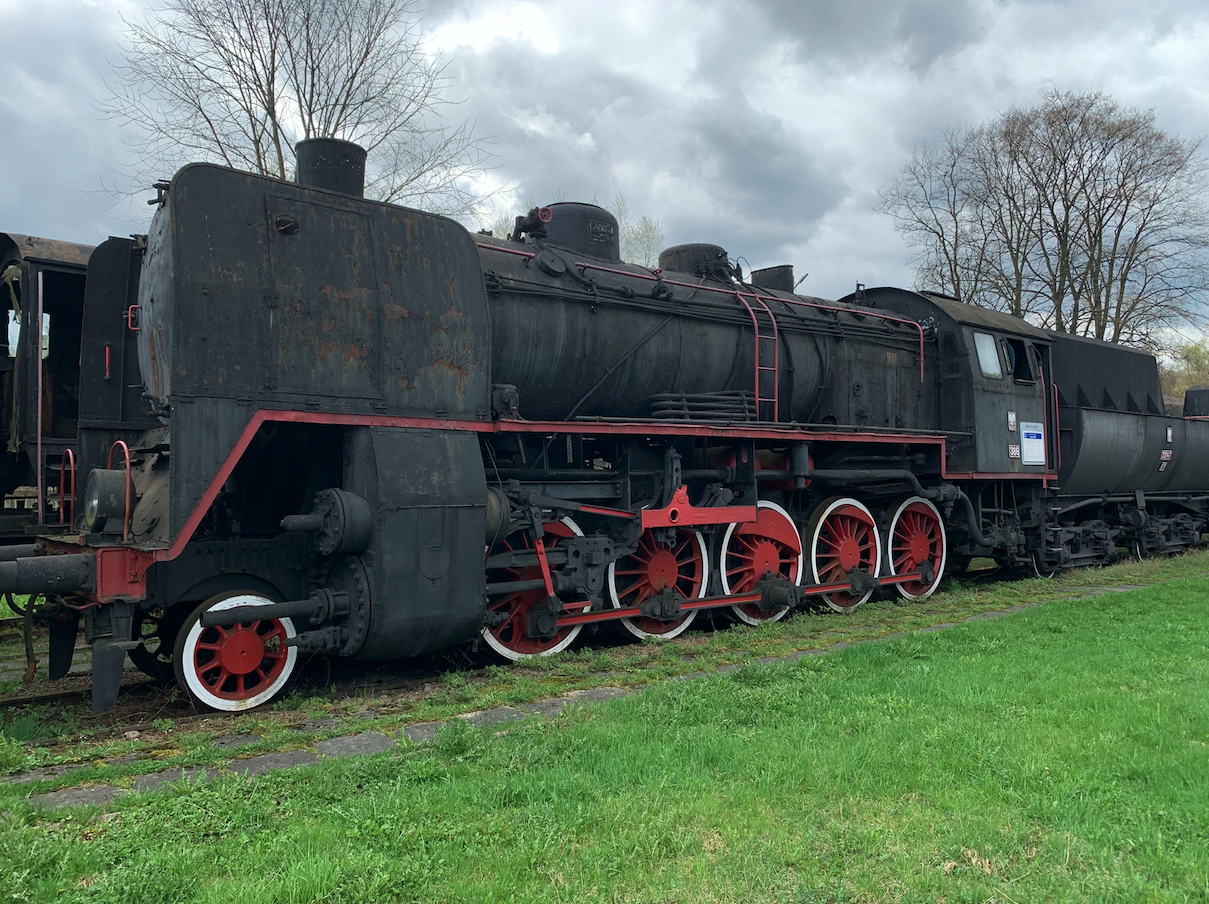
[(43, 286), (994, 386)]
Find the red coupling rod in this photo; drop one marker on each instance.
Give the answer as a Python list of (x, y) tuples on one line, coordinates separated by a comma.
[(716, 602)]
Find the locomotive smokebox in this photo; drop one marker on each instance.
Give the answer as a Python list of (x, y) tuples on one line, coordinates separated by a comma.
[(332, 164)]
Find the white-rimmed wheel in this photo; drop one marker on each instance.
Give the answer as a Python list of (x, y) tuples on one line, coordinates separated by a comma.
[(917, 535), (654, 567), (235, 667), (842, 538), (507, 632), (753, 549)]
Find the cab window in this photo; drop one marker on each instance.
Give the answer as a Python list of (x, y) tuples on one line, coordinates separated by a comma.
[(1018, 360), (988, 357)]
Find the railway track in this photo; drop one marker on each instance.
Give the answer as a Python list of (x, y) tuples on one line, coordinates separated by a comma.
[(318, 676)]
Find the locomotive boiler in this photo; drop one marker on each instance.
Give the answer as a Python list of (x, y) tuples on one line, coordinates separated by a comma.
[(375, 434)]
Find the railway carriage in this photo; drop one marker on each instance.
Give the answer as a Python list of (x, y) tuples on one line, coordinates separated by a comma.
[(375, 434)]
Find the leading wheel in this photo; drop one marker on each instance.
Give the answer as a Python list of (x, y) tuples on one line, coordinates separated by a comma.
[(750, 550), (917, 535), (156, 631), (235, 667), (843, 538), (509, 636), (654, 566)]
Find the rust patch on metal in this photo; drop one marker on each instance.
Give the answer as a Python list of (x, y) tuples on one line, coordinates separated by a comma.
[(395, 312)]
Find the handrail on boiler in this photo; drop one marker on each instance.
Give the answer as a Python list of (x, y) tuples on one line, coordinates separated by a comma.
[(737, 293)]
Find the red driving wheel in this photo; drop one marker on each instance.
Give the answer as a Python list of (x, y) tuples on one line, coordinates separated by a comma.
[(653, 567), (843, 538), (917, 535), (750, 550), (510, 636)]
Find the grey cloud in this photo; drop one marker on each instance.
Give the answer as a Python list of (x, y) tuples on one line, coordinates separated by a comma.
[(59, 153), (756, 177), (836, 33)]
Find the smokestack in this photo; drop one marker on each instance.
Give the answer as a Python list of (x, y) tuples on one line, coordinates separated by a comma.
[(332, 164)]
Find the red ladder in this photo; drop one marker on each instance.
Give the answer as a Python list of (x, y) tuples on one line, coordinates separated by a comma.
[(771, 334)]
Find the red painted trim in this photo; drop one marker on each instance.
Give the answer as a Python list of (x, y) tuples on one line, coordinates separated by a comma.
[(715, 602), (607, 512), (586, 428), (515, 251), (1012, 475), (540, 546), (1057, 430), (763, 431), (122, 572), (681, 513)]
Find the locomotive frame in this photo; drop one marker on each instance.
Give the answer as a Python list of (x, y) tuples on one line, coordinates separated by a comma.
[(336, 459)]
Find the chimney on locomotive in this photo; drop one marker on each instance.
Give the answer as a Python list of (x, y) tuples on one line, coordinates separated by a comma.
[(332, 164)]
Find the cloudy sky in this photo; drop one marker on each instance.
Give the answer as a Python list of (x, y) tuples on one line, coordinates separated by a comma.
[(765, 127)]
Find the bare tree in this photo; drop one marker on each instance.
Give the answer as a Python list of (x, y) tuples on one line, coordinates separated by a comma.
[(641, 239), (240, 81), (1184, 366), (1077, 212)]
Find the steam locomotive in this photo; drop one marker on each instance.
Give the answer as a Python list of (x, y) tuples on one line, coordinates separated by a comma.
[(358, 428)]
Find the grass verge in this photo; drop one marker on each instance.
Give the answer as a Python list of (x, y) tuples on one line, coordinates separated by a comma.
[(1059, 754)]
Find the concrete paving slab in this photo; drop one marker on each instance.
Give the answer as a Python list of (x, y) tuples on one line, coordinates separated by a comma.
[(326, 723), (96, 795), (259, 765), (34, 775), (356, 745), (235, 741), (498, 715), (598, 694), (421, 731), (551, 707), (153, 781)]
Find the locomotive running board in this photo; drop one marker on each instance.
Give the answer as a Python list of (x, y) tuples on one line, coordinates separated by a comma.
[(717, 602)]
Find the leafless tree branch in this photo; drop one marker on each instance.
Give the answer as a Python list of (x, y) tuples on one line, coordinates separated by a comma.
[(1076, 211), (238, 82)]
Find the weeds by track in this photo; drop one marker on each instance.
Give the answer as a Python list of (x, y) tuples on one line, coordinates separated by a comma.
[(438, 686)]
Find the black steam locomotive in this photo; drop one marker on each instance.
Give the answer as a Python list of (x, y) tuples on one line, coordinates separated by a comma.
[(375, 434)]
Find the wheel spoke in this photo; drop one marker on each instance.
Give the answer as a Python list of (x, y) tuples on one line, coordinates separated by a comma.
[(510, 638), (751, 549)]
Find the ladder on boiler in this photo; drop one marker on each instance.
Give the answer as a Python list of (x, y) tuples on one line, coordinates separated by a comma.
[(767, 345)]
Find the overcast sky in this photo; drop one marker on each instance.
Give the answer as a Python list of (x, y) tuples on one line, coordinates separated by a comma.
[(765, 127)]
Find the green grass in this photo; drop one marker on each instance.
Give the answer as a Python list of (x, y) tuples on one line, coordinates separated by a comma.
[(1059, 754), (6, 611)]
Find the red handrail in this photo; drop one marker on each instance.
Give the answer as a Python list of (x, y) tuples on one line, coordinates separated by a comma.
[(71, 498), (806, 304), (108, 465)]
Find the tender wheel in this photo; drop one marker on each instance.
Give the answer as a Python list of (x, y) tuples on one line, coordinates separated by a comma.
[(917, 535), (156, 629), (843, 536), (1140, 550), (237, 667), (1041, 569), (653, 567), (749, 551), (510, 637)]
